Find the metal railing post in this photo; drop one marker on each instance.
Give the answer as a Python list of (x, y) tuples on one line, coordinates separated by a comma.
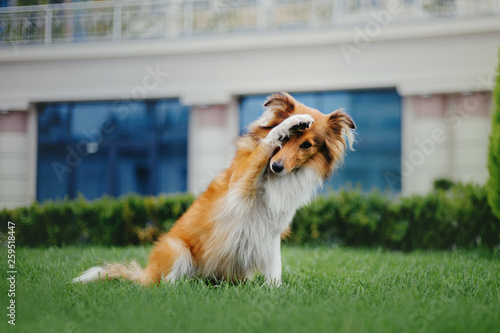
[(338, 12), (117, 22), (48, 27), (313, 14), (172, 11), (188, 17), (495, 7), (418, 9), (262, 14)]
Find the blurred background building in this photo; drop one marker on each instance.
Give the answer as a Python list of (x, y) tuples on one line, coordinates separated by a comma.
[(147, 96)]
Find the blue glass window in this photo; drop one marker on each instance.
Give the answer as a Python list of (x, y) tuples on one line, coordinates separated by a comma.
[(97, 148), (376, 161)]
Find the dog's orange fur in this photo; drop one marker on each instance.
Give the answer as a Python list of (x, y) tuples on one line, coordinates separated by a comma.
[(196, 229)]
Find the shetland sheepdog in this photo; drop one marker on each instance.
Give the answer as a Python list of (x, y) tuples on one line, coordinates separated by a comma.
[(234, 229)]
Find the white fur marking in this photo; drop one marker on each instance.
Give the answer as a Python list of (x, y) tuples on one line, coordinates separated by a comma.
[(349, 135), (272, 271), (183, 265), (289, 192), (91, 274)]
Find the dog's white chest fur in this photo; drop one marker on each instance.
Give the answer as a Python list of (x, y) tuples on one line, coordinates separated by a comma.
[(285, 194), (252, 226)]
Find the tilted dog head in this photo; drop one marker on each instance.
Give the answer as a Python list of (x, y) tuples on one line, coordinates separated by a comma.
[(322, 146)]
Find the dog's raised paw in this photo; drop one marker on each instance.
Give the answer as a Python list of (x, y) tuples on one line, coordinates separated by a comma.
[(288, 127), (299, 122), (302, 126)]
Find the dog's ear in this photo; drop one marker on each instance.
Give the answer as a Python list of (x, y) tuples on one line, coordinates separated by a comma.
[(340, 119), (278, 107), (342, 124)]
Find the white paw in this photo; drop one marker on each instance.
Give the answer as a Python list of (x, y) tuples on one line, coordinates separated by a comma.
[(301, 121), (289, 126), (276, 283)]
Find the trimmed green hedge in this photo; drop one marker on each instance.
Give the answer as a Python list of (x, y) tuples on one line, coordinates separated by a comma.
[(107, 221), (443, 219), (456, 217)]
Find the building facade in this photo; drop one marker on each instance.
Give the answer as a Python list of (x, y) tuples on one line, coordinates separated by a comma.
[(147, 97)]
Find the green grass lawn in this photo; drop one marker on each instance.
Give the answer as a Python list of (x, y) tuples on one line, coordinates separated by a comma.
[(324, 290)]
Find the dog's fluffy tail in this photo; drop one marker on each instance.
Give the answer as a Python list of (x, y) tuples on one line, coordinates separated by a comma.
[(132, 271)]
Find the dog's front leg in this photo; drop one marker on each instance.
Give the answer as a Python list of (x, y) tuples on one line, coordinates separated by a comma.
[(272, 271), (249, 171)]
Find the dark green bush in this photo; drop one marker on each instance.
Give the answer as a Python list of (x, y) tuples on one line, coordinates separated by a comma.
[(474, 217), (165, 210), (443, 184), (443, 219), (107, 221), (349, 217), (493, 184)]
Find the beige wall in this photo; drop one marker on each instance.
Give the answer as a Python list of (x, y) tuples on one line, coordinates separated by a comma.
[(17, 158), (431, 64), (445, 136), (212, 131)]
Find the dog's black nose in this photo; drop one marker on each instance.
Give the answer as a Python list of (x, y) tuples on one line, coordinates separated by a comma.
[(277, 167)]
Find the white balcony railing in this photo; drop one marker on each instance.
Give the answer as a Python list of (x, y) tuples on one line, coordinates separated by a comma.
[(133, 20)]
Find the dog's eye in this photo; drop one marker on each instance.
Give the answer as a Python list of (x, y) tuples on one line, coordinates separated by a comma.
[(306, 145)]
